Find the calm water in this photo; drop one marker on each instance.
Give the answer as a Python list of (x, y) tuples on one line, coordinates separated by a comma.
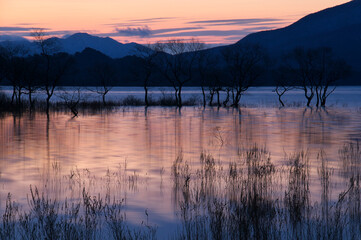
[(129, 152), (346, 96)]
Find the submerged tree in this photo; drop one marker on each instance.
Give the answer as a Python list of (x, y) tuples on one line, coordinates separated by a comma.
[(329, 70), (14, 68), (72, 99), (315, 71), (53, 65), (210, 76), (148, 59), (244, 64), (283, 82), (177, 59), (104, 75)]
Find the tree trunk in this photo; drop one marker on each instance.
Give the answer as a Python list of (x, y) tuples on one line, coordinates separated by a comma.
[(18, 101), (211, 94), (225, 102), (176, 96), (180, 97), (13, 96), (47, 105), (236, 99), (103, 97), (204, 97), (318, 96), (309, 98), (323, 102), (146, 96), (280, 100), (30, 99), (218, 101)]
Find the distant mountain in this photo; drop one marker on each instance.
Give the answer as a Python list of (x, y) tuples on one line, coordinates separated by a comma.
[(338, 27), (12, 38), (108, 46), (77, 43)]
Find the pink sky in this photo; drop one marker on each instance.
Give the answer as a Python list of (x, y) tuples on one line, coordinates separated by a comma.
[(212, 21)]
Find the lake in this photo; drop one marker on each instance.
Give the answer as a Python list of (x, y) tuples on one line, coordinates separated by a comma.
[(157, 162)]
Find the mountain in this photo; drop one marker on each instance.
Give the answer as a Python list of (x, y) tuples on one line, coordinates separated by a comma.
[(338, 27), (77, 43), (108, 46), (127, 71), (12, 38)]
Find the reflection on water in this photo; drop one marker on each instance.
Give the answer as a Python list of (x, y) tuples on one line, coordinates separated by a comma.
[(132, 154)]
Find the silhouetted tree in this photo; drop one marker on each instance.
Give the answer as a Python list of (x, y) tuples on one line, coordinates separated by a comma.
[(177, 62), (244, 64), (210, 76), (31, 78), (71, 99), (283, 80), (328, 70), (104, 75), (206, 63), (53, 65), (14, 68), (314, 71), (148, 55)]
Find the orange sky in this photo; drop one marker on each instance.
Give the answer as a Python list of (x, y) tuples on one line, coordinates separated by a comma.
[(150, 20)]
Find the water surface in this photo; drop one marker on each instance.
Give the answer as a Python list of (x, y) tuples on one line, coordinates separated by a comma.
[(129, 153)]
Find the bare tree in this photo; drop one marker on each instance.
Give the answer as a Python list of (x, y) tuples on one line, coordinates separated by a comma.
[(299, 63), (54, 65), (210, 76), (71, 99), (177, 63), (14, 68), (314, 71), (244, 65), (31, 79), (148, 55), (283, 82), (104, 74), (328, 71), (215, 85)]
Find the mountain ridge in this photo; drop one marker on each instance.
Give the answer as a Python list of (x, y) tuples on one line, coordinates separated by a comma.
[(338, 27)]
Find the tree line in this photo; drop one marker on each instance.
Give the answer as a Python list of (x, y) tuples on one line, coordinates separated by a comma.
[(230, 69)]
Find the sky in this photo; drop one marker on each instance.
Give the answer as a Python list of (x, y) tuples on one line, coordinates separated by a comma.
[(147, 21)]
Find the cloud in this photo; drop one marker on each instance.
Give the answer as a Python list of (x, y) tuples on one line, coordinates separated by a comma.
[(244, 21), (227, 34), (203, 33), (136, 31), (147, 20), (145, 31), (170, 30), (137, 22), (15, 29)]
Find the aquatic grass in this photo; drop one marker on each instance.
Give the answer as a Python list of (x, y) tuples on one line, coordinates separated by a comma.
[(244, 201), (248, 198)]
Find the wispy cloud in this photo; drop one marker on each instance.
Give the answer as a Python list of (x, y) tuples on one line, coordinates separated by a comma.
[(170, 30), (137, 22), (147, 20), (245, 21), (203, 33), (137, 31), (215, 33), (18, 29), (145, 31)]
